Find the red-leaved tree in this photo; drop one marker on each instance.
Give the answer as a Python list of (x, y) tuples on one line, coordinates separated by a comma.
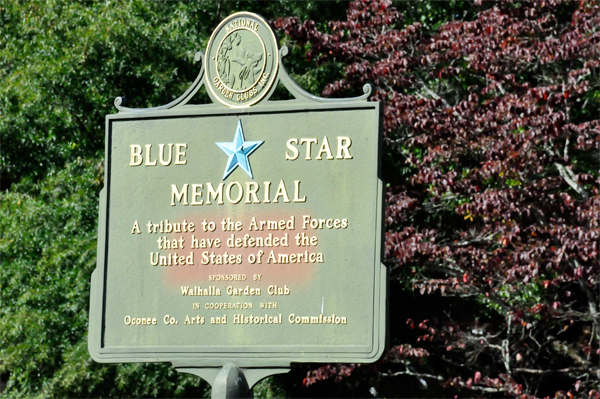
[(492, 137)]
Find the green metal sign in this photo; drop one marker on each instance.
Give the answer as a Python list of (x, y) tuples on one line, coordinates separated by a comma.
[(245, 231)]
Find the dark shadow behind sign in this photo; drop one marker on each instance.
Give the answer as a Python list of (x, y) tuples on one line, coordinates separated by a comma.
[(245, 231)]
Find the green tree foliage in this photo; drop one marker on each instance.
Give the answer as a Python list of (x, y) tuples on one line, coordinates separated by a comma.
[(48, 253)]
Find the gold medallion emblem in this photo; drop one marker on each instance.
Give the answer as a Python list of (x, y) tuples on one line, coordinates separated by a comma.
[(241, 60)]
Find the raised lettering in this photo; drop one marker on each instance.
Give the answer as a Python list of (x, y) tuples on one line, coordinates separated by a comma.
[(196, 194), (344, 144), (309, 142), (325, 149), (180, 196), (179, 153), (136, 155), (295, 153), (281, 192), (148, 156), (215, 194)]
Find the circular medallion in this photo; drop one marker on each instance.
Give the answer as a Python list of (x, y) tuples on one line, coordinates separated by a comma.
[(241, 60)]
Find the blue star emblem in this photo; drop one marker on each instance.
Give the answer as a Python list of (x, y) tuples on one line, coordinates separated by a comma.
[(238, 152)]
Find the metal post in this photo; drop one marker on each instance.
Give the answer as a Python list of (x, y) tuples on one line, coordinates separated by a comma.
[(231, 383)]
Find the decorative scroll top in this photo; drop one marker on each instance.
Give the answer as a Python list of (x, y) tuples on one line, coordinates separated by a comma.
[(242, 67)]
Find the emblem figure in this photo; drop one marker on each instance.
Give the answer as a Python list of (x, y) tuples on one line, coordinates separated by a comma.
[(223, 62), (237, 66), (249, 69)]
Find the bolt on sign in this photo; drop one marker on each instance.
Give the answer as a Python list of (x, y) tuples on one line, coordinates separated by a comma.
[(245, 231)]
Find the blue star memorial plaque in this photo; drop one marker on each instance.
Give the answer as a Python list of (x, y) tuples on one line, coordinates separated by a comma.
[(243, 235), (238, 152)]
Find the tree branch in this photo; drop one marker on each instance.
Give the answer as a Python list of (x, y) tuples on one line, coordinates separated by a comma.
[(569, 177), (440, 378), (534, 371)]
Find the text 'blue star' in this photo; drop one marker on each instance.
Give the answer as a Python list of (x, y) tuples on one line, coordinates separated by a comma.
[(238, 152)]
